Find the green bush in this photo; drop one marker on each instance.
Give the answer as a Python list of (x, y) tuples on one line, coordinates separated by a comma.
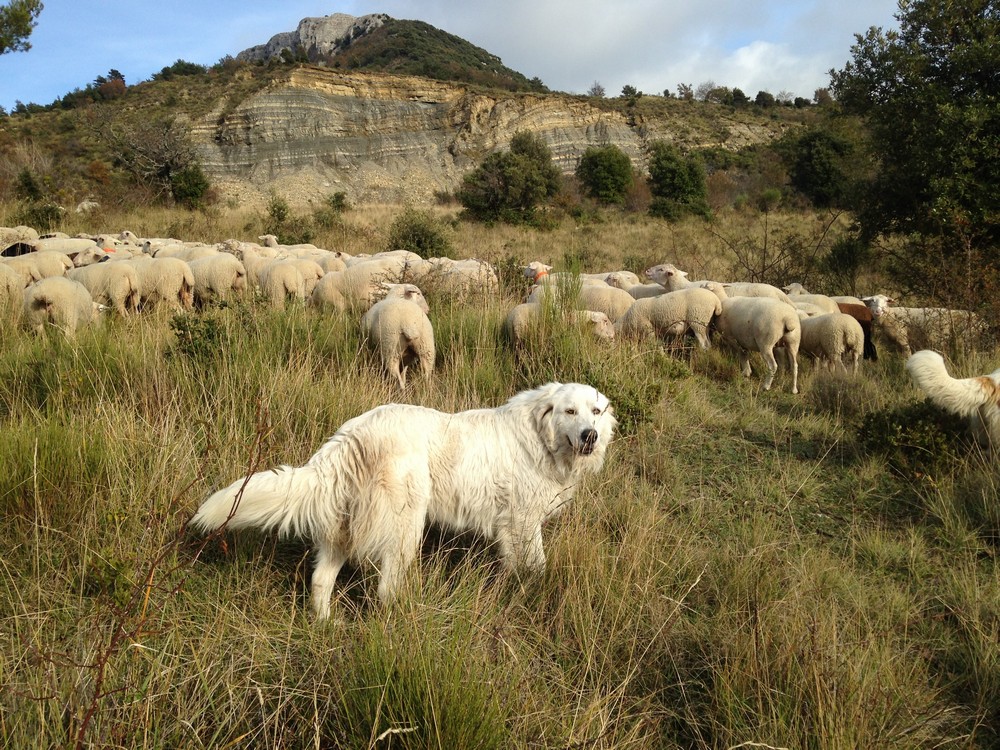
[(420, 232), (677, 183), (917, 439), (605, 173), (189, 186), (509, 186)]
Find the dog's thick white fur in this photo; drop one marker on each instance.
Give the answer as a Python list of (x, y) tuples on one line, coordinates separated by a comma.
[(976, 398), (370, 490)]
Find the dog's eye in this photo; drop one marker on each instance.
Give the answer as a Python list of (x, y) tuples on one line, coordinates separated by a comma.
[(597, 412), (571, 411)]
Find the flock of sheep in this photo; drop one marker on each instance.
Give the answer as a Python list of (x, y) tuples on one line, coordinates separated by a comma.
[(65, 282)]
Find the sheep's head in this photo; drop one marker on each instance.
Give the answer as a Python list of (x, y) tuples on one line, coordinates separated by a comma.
[(615, 279), (601, 325), (663, 273)]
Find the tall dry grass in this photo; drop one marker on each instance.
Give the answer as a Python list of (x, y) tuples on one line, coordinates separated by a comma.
[(746, 572)]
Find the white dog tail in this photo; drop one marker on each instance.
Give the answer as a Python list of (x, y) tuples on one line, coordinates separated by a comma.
[(960, 396), (282, 499)]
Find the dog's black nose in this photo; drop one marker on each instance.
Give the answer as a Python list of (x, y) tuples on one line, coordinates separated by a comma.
[(588, 438)]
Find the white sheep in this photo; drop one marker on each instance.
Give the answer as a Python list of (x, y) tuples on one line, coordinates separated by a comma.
[(912, 328), (523, 318), (164, 281), (760, 324), (606, 299), (409, 292), (60, 302), (357, 287), (797, 293), (280, 281), (831, 337), (311, 272), (116, 285), (217, 277), (11, 292), (672, 278), (620, 280), (755, 289), (401, 333), (671, 315)]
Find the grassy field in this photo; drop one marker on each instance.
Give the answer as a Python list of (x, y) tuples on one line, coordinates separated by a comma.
[(751, 569)]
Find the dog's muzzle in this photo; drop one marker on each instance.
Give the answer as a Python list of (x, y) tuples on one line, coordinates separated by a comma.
[(588, 441)]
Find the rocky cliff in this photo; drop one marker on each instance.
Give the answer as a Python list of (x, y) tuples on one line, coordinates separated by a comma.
[(316, 37), (386, 138)]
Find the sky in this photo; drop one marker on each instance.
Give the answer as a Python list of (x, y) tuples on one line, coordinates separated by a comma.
[(785, 46)]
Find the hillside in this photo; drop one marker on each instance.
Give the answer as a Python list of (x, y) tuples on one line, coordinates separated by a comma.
[(388, 111)]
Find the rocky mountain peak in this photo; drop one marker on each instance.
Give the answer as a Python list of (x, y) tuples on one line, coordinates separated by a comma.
[(318, 37)]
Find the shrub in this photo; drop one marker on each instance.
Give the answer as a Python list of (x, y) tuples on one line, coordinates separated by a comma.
[(420, 232), (189, 186), (605, 173), (916, 439), (509, 186), (677, 183)]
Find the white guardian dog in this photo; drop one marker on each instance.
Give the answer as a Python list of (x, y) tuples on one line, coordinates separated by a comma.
[(371, 489), (976, 398)]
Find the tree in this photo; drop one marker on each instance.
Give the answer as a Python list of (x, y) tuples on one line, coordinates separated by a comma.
[(764, 99), (605, 173), (930, 96), (819, 166), (677, 183), (508, 186), (18, 19), (596, 90)]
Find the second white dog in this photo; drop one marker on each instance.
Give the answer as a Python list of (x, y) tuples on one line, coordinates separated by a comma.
[(370, 490)]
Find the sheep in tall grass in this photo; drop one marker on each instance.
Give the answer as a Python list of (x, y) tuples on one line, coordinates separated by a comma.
[(671, 315), (402, 335), (217, 277), (116, 285), (606, 299), (912, 328), (59, 302), (759, 324), (831, 337), (165, 282), (524, 318), (281, 281)]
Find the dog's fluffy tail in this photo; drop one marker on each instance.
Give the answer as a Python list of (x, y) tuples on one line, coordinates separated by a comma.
[(283, 499), (961, 396)]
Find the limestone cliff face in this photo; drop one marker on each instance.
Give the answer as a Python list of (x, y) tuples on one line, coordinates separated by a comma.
[(390, 139)]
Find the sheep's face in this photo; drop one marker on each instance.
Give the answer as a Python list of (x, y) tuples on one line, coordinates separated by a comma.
[(662, 273), (615, 280), (601, 325)]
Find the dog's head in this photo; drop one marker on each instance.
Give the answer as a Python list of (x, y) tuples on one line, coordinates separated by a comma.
[(575, 423)]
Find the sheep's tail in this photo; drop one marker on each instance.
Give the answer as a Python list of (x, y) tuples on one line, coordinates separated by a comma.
[(284, 499), (961, 396)]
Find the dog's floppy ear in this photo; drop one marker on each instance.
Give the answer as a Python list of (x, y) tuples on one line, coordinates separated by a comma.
[(542, 412)]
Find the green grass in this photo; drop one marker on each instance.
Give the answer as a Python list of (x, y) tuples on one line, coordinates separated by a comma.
[(749, 570)]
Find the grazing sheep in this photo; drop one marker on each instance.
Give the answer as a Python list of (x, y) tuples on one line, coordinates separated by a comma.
[(402, 334), (977, 398), (524, 317), (797, 293), (409, 292), (217, 277), (865, 318), (910, 328), (60, 302), (113, 284), (606, 299), (619, 280), (831, 337), (11, 293), (760, 324), (26, 268), (280, 281), (755, 289), (164, 281), (671, 315), (456, 278)]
